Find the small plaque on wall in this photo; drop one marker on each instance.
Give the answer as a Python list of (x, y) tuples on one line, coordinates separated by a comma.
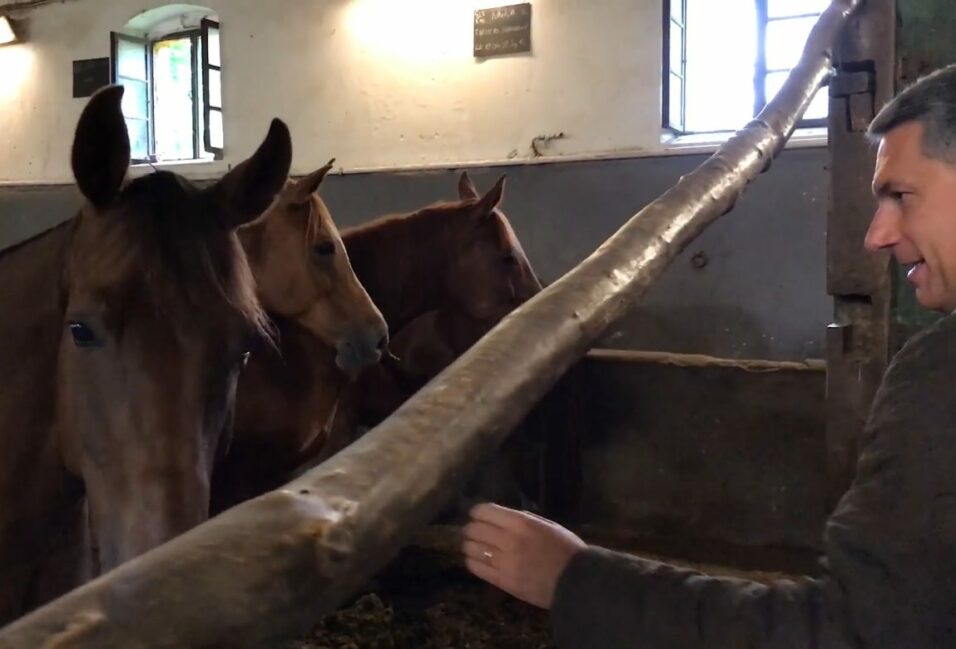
[(503, 30), (89, 75)]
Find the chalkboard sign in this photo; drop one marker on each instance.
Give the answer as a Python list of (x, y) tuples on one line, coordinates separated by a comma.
[(503, 30), (89, 75)]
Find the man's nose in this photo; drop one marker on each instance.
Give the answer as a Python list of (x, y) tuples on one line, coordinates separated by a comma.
[(883, 231)]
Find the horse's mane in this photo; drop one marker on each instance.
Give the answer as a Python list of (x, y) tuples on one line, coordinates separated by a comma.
[(425, 217), (196, 259), (425, 220)]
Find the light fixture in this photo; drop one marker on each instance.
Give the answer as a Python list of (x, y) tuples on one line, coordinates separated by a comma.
[(7, 34)]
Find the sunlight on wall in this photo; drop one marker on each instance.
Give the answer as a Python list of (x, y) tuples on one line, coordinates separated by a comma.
[(16, 66), (414, 32)]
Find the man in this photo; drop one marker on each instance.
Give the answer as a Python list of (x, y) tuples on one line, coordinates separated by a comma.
[(890, 567)]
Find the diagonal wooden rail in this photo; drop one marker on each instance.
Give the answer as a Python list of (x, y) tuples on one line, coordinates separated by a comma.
[(271, 566)]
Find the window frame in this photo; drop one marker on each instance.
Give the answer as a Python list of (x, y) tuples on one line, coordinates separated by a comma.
[(199, 66), (678, 127), (761, 72), (194, 38), (204, 26), (760, 67), (115, 77)]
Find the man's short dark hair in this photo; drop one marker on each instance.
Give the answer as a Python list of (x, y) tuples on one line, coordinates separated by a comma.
[(931, 101)]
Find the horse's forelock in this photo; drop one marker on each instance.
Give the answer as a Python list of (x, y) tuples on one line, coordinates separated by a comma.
[(167, 243)]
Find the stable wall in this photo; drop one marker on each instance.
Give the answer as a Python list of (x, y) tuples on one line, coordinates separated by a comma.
[(349, 89), (376, 83), (761, 293)]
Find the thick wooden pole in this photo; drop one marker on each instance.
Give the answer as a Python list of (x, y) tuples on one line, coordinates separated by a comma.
[(269, 567)]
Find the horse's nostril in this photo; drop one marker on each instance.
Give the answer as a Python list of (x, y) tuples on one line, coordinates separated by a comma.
[(382, 343)]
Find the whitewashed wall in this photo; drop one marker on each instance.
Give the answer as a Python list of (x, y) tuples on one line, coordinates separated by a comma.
[(374, 83)]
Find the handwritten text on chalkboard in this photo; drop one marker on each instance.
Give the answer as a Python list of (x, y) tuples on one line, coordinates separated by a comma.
[(503, 30)]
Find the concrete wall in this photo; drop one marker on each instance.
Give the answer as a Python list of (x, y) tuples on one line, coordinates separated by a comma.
[(720, 455)]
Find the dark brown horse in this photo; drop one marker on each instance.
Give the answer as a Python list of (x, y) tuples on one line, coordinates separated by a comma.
[(124, 332), (461, 254), (322, 312)]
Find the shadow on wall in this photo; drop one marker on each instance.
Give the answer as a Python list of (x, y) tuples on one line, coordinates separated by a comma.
[(701, 329)]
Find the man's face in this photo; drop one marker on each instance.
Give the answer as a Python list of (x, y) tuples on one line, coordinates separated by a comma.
[(916, 215)]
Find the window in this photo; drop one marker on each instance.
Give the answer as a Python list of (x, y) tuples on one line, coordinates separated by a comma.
[(171, 69), (675, 65), (723, 61)]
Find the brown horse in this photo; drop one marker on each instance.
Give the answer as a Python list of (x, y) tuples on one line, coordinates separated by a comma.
[(126, 328), (433, 340), (322, 312), (303, 275), (460, 253)]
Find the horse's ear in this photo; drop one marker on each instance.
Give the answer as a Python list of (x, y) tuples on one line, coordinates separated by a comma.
[(247, 190), (486, 204), (100, 154), (299, 192), (466, 188)]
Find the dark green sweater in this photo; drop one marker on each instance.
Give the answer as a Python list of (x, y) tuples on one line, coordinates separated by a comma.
[(889, 576)]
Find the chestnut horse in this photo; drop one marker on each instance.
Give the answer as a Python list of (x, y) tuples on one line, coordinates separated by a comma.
[(303, 275), (126, 330), (460, 253), (428, 344), (320, 309), (431, 342)]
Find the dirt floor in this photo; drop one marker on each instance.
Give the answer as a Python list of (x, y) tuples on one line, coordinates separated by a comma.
[(425, 600)]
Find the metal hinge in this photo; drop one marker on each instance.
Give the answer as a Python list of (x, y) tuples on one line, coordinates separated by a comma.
[(858, 87)]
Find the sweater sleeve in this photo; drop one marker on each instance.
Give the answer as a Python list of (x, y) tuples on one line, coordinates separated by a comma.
[(889, 571)]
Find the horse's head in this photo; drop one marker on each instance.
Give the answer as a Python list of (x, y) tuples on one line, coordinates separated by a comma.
[(160, 310), (491, 275), (303, 274)]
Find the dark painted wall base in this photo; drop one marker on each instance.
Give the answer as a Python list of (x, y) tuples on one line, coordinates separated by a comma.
[(756, 288)]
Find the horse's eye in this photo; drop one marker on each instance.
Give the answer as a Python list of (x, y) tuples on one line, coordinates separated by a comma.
[(83, 336), (324, 249), (511, 259)]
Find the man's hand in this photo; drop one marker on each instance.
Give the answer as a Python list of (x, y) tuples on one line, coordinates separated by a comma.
[(520, 553)]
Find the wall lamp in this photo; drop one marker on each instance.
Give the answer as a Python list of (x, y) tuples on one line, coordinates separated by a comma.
[(7, 33)]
